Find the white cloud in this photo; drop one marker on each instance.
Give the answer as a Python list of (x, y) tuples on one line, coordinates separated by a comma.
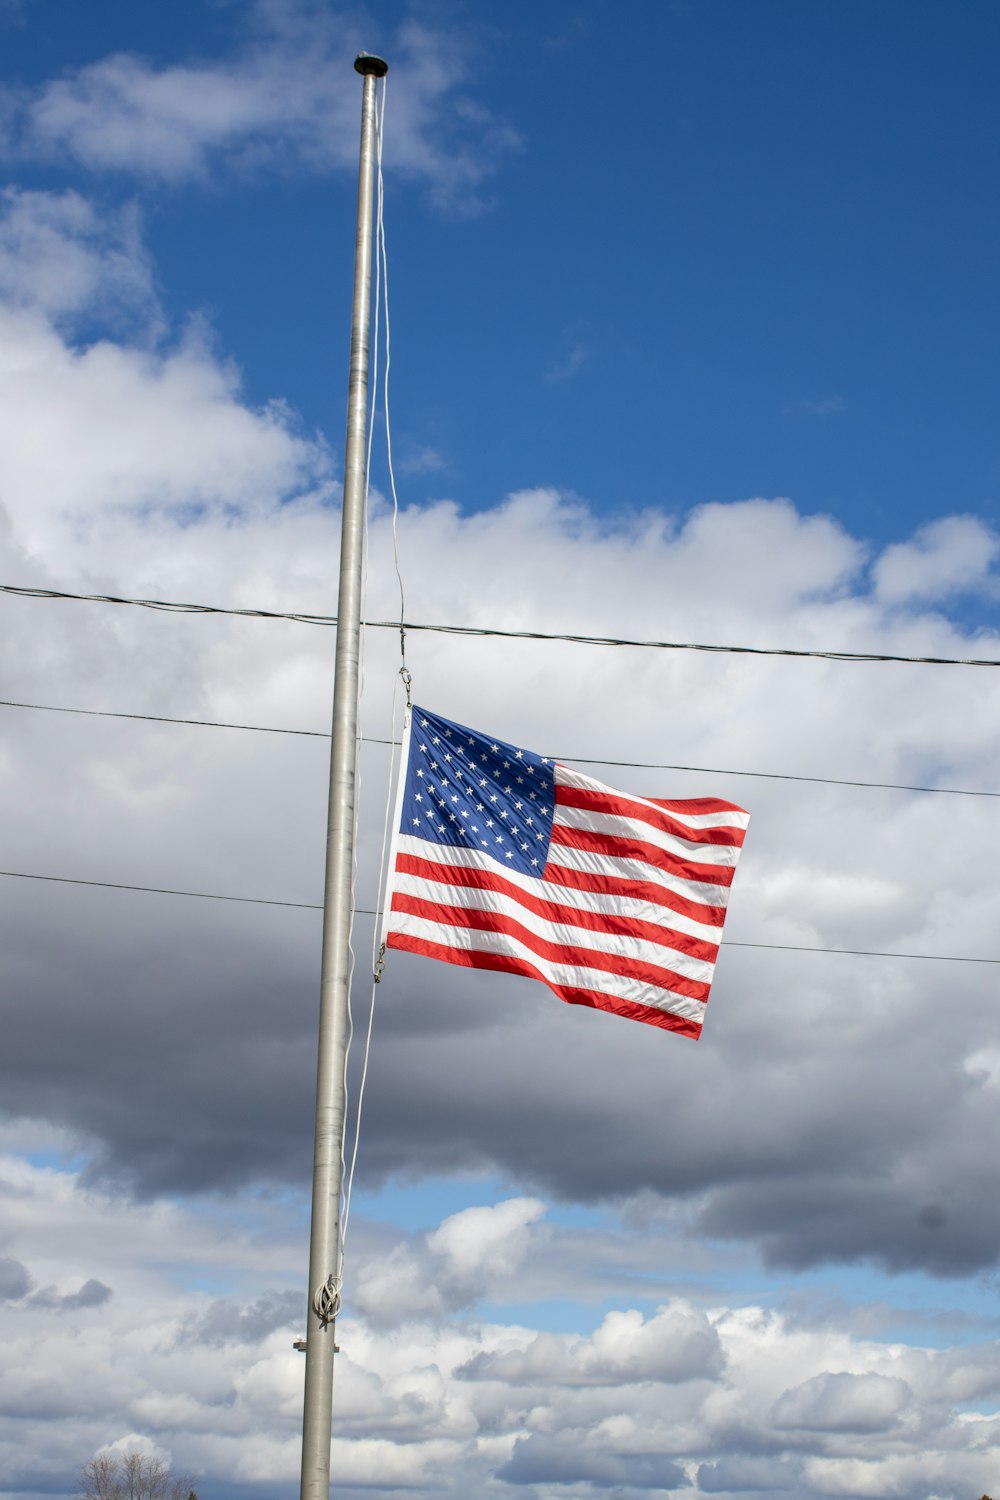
[(835, 1109), (488, 1241), (950, 556), (773, 1407), (422, 460), (286, 98), (841, 1402), (60, 255)]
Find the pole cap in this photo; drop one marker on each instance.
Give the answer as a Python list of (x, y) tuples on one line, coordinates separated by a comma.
[(367, 62)]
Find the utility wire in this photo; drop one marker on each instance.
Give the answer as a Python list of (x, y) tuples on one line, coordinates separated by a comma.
[(362, 911), (301, 618), (160, 890), (582, 760), (107, 713)]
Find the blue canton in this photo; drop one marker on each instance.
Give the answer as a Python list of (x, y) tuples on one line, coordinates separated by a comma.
[(469, 790)]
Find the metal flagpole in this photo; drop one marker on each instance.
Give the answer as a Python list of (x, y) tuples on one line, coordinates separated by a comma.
[(324, 1245)]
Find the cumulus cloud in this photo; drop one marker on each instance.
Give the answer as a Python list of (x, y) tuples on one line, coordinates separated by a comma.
[(142, 471), (61, 255), (950, 556), (468, 1404), (14, 1279), (269, 105), (471, 1254), (837, 1108), (840, 1402), (678, 1343), (93, 1293)]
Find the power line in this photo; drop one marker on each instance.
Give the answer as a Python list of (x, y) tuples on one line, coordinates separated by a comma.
[(107, 713), (361, 911), (582, 760), (301, 618), (160, 890)]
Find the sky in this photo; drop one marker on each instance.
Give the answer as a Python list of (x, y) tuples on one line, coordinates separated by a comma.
[(693, 313)]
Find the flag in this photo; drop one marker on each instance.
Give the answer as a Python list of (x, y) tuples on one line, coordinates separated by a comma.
[(503, 859)]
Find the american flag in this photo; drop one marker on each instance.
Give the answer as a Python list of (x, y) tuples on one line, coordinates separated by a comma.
[(507, 860)]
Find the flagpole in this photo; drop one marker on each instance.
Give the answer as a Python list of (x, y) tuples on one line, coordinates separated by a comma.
[(324, 1246)]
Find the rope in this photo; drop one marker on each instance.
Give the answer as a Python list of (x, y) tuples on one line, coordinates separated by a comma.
[(380, 252)]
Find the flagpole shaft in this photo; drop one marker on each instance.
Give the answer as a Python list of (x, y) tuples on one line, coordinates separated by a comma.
[(335, 973)]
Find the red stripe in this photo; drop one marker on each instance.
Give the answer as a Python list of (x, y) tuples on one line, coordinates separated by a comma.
[(606, 801), (695, 805), (508, 964), (611, 846), (638, 890), (558, 953), (609, 921)]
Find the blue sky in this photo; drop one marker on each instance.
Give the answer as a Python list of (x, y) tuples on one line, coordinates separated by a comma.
[(694, 317), (721, 249)]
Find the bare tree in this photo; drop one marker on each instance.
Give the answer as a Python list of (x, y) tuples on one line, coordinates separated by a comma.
[(132, 1476)]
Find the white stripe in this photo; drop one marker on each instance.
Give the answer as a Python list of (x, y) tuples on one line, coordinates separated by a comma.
[(613, 825), (636, 869), (572, 975), (404, 759), (566, 934), (734, 817), (628, 906)]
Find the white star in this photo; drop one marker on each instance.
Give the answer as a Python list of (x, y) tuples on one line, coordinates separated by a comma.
[(524, 848), (415, 822), (419, 797), (421, 771), (436, 740), (493, 797), (510, 854), (489, 822), (534, 863), (503, 812)]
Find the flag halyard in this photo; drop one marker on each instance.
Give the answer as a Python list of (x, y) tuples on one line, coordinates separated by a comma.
[(503, 859)]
